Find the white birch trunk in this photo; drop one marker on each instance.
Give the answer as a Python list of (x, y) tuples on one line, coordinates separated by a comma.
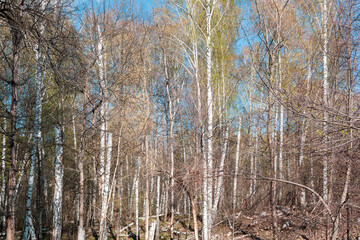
[(164, 198), (105, 188), (94, 189), (77, 169), (137, 176), (133, 191), (281, 144), (59, 173), (171, 147), (152, 231), (274, 147), (325, 93), (103, 109), (130, 187), (281, 130), (3, 180), (36, 148), (172, 187), (237, 157), (146, 202), (158, 186), (208, 166), (119, 188), (81, 230), (303, 135), (121, 193), (274, 137), (184, 159), (255, 159)]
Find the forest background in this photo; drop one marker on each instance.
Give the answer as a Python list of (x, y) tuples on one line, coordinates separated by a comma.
[(191, 119)]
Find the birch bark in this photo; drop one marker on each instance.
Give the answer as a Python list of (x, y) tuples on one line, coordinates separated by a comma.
[(36, 149), (208, 165), (171, 147), (303, 135), (158, 186), (281, 127), (103, 128), (3, 180), (325, 93), (237, 157), (76, 215), (105, 188), (81, 230), (147, 202), (137, 176), (59, 173)]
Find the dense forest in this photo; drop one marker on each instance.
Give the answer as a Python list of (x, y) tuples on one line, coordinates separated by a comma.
[(204, 119)]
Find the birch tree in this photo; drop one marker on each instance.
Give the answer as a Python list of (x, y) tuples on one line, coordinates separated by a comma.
[(325, 35), (3, 180), (36, 150), (58, 190), (237, 157)]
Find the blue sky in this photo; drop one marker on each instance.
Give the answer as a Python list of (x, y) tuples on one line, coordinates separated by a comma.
[(146, 6), (142, 8)]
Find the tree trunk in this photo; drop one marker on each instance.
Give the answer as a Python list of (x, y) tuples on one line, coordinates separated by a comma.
[(303, 135), (77, 191), (158, 206), (325, 94), (194, 214), (237, 157), (147, 203), (105, 189), (269, 133), (103, 115), (171, 147), (10, 216), (36, 150), (281, 129), (273, 150), (158, 185), (220, 178), (58, 185), (81, 230), (137, 176), (3, 180), (208, 165), (224, 134), (39, 199), (184, 159)]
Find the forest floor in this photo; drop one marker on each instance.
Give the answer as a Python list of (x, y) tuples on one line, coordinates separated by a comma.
[(293, 224)]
